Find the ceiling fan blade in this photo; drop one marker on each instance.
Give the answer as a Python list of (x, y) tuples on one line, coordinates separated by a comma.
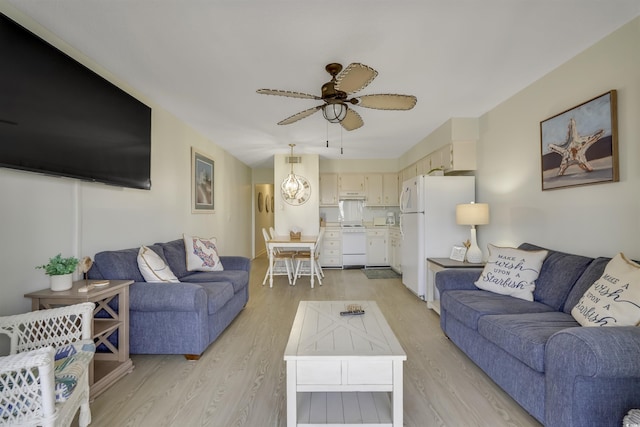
[(355, 77), (287, 93), (352, 120), (300, 115), (387, 101)]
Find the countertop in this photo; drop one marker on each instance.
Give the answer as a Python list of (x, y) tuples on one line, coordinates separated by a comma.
[(368, 225)]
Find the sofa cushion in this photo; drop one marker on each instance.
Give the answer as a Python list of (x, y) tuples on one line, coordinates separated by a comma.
[(71, 362), (557, 276), (511, 271), (176, 257), (121, 264), (218, 294), (613, 299), (239, 278), (524, 336), (469, 306), (584, 282)]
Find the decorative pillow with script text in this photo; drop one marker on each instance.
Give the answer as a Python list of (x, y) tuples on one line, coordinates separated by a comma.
[(202, 254), (613, 299), (153, 268), (511, 271)]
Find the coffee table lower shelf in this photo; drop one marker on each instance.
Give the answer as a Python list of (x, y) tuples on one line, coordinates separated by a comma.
[(332, 409)]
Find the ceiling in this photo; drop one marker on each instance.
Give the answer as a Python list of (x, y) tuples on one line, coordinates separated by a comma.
[(203, 60)]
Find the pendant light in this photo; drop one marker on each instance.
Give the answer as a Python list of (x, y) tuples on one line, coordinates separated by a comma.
[(291, 184)]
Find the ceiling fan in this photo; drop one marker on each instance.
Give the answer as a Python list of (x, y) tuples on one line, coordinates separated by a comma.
[(336, 92)]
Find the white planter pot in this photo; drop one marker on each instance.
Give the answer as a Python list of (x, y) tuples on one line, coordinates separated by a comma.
[(61, 282)]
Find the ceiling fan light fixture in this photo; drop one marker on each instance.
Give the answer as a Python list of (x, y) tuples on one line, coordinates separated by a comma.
[(335, 112)]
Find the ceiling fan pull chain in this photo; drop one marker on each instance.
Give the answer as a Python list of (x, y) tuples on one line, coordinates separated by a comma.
[(341, 150), (327, 134)]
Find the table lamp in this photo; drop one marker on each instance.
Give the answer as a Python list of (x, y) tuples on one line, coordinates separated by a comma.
[(473, 214)]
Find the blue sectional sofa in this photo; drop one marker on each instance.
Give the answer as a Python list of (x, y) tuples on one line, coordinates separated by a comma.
[(563, 374), (177, 318)]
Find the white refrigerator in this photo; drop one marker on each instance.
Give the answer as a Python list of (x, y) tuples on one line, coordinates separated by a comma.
[(428, 223)]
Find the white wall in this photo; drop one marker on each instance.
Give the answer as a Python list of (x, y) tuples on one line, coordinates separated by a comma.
[(594, 220), (41, 216)]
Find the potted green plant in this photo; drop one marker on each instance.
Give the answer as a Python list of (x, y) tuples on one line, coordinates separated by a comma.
[(60, 271)]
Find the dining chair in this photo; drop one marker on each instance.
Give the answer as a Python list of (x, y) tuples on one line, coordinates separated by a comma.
[(282, 261), (303, 260), (45, 378)]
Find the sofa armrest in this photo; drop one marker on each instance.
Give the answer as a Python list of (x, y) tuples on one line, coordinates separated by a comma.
[(144, 296), (457, 279), (236, 263), (592, 375)]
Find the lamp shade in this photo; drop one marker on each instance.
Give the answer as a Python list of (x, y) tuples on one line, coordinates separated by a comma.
[(335, 113), (472, 214)]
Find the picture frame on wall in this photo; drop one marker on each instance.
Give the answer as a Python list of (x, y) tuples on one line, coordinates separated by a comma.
[(580, 145), (202, 183)]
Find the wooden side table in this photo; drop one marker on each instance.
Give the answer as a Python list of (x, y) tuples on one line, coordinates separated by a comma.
[(435, 265), (106, 367)]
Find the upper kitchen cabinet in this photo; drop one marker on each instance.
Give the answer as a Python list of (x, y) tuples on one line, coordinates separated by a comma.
[(328, 189), (423, 166), (373, 189), (381, 189), (351, 183), (390, 185), (454, 157)]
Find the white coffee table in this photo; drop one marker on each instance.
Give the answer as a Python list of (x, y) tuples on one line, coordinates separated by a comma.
[(343, 370)]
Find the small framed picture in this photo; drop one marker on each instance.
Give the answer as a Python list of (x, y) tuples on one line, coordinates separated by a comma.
[(202, 182), (458, 253)]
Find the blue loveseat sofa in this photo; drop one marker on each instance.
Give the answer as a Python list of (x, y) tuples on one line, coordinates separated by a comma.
[(177, 318), (563, 374)]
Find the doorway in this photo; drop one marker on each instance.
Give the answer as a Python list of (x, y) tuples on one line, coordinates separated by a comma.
[(263, 215)]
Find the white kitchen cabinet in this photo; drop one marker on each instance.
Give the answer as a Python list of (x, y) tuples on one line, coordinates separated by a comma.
[(373, 189), (395, 250), (331, 251), (381, 189), (328, 189), (377, 247), (390, 184), (351, 182), (423, 166), (456, 156)]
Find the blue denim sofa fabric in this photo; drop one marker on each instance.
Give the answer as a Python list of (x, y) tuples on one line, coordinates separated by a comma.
[(177, 318), (563, 374)]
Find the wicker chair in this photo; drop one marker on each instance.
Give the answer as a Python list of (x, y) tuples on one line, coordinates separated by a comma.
[(35, 389)]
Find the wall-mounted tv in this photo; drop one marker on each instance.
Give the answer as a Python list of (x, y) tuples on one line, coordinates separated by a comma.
[(58, 117)]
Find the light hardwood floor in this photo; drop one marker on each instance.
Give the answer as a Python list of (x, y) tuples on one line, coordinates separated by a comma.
[(240, 379)]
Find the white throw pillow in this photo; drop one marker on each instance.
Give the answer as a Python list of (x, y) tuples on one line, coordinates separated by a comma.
[(202, 254), (511, 271), (153, 268), (613, 299)]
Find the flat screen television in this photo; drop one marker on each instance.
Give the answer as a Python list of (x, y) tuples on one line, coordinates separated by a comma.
[(58, 117)]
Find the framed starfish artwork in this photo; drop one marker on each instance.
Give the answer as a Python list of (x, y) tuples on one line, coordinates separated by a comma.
[(580, 146), (202, 182)]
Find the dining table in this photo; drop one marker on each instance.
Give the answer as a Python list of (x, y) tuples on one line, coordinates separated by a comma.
[(287, 242)]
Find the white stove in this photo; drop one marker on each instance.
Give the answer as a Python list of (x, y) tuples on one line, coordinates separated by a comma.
[(353, 228), (354, 244)]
